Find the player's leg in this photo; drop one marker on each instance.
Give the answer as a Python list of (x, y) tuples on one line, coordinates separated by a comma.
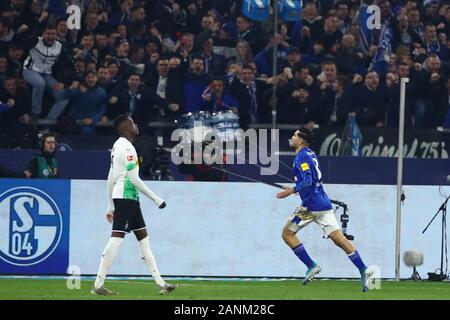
[(140, 231), (296, 221), (108, 256), (122, 215), (332, 230)]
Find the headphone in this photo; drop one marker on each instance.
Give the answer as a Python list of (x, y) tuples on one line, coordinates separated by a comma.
[(41, 138)]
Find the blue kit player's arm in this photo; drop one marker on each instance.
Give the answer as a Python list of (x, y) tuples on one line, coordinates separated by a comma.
[(304, 176)]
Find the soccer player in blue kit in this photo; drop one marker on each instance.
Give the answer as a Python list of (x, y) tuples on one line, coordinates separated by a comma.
[(316, 206)]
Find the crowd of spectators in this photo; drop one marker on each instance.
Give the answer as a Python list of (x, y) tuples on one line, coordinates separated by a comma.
[(159, 59)]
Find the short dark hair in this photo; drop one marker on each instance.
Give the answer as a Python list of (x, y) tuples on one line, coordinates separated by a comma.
[(247, 66), (88, 73), (50, 26), (121, 118), (306, 134), (135, 7), (134, 74), (45, 136)]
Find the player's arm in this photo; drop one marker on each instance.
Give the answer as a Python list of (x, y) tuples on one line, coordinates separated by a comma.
[(109, 188), (305, 180), (133, 174)]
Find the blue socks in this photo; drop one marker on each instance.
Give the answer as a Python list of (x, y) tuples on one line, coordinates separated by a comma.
[(357, 261), (301, 253)]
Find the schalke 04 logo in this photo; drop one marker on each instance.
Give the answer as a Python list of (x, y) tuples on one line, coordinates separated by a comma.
[(30, 226)]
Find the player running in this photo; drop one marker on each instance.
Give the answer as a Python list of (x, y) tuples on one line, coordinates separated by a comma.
[(316, 206), (124, 210)]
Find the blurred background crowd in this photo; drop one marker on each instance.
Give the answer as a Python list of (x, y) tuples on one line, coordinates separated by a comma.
[(160, 59)]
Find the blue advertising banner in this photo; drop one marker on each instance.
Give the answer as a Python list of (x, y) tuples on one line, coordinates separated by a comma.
[(34, 226)]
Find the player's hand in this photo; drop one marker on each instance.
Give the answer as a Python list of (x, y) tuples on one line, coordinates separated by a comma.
[(285, 193), (110, 216), (162, 205)]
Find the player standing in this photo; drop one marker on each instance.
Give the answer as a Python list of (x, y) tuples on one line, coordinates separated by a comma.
[(316, 206), (124, 208)]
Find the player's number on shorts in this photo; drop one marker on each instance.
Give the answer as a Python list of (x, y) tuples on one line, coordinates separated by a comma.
[(316, 164)]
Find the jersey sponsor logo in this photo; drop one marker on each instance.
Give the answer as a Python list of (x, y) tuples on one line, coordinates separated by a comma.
[(31, 224), (130, 158), (304, 166)]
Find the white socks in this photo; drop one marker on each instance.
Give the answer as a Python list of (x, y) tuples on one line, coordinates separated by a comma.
[(109, 254), (149, 259)]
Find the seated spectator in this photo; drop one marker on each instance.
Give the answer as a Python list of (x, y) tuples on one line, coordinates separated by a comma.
[(232, 71), (343, 15), (86, 49), (6, 32), (298, 108), (102, 48), (137, 59), (393, 85), (402, 38), (3, 69), (15, 58), (87, 102), (102, 76), (429, 79), (195, 83), (185, 46), (136, 99), (349, 59), (250, 94), (114, 76), (38, 72), (213, 63), (327, 75), (442, 103), (369, 102), (215, 98), (122, 16), (334, 106), (122, 48), (243, 53), (434, 43), (164, 83), (44, 165), (245, 31), (415, 28)]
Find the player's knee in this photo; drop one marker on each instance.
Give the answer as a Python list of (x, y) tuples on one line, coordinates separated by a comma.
[(287, 235)]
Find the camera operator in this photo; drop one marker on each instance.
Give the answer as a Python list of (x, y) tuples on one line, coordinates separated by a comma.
[(203, 171), (44, 165)]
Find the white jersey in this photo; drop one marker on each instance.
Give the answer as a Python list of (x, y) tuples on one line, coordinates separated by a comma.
[(123, 159)]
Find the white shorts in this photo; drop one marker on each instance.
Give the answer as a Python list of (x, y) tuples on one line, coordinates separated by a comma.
[(302, 217)]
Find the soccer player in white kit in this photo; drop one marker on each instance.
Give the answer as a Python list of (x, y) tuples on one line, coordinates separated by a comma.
[(124, 210)]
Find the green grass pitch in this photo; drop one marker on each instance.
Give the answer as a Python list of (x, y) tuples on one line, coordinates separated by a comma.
[(55, 289)]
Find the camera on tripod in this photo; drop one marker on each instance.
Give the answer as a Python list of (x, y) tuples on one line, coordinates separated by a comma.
[(344, 221), (160, 168), (344, 218)]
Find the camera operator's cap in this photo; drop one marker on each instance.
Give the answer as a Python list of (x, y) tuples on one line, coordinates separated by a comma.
[(428, 3)]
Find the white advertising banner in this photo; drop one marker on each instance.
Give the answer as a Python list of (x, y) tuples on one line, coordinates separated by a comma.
[(234, 229)]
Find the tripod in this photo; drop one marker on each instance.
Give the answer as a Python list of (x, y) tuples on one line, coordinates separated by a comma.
[(442, 275), (344, 218)]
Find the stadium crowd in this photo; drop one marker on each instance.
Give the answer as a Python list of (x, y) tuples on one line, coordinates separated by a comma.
[(160, 59)]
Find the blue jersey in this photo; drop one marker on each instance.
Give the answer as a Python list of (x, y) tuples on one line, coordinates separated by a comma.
[(308, 181)]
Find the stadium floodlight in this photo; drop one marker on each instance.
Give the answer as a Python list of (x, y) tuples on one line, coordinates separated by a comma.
[(412, 259)]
